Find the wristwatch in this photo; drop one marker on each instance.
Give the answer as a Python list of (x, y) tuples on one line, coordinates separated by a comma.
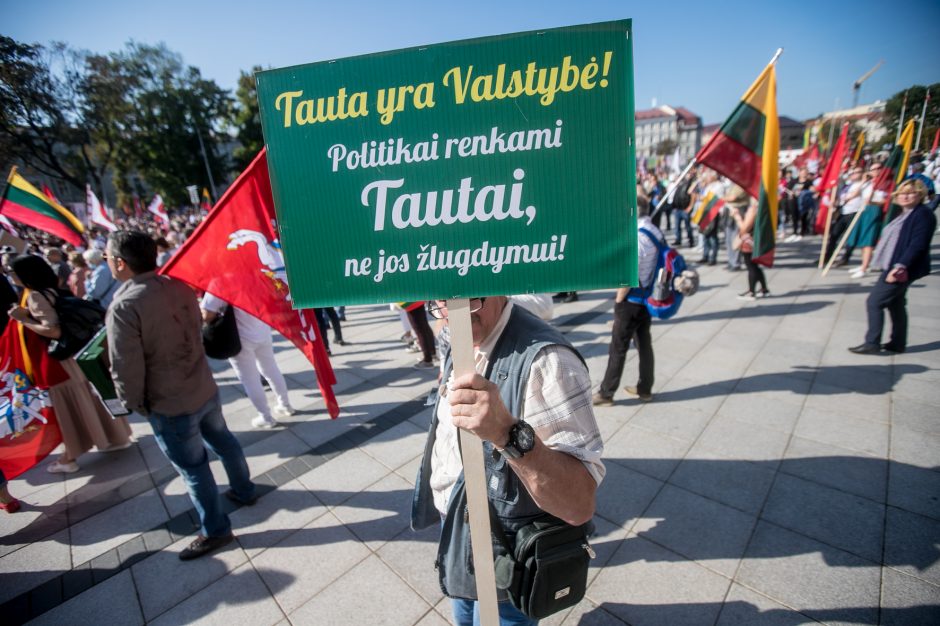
[(521, 440)]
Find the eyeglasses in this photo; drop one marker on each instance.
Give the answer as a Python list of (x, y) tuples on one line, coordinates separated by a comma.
[(438, 308)]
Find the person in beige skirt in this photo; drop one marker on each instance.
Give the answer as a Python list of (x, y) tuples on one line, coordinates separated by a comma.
[(83, 419)]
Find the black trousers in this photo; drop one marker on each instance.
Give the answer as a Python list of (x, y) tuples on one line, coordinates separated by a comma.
[(630, 320), (893, 297), (754, 273)]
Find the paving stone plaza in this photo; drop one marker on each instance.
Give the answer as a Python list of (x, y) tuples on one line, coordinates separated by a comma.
[(776, 478)]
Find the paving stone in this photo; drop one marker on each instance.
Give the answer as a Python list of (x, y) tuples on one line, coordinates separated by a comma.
[(914, 489), (347, 474), (105, 566), (397, 445), (647, 584), (840, 519), (915, 448), (411, 556), (163, 581), (840, 468), (316, 555), (912, 545), (624, 495), (76, 581), (744, 606), (741, 440), (240, 597), (116, 525), (274, 517), (705, 531), (46, 596), (34, 565), (645, 451), (739, 484), (839, 430), (813, 578), (111, 602), (331, 606), (907, 600), (378, 514)]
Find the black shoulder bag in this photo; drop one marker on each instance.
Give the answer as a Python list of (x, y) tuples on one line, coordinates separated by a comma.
[(547, 571), (220, 336), (79, 322)]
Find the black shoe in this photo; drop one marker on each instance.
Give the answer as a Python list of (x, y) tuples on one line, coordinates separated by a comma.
[(203, 545), (340, 342), (865, 348), (676, 243), (887, 347), (231, 495), (571, 297), (713, 262)]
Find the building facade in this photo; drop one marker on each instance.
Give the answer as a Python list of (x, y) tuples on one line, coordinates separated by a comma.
[(676, 126)]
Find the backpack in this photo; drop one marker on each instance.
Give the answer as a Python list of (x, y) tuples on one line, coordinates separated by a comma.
[(220, 336), (79, 321), (662, 298)]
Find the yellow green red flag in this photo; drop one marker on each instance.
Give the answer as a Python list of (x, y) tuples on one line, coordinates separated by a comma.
[(745, 149), (22, 202)]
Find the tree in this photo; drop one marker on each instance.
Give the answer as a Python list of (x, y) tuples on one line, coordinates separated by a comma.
[(666, 146), (247, 120), (915, 104), (39, 117)]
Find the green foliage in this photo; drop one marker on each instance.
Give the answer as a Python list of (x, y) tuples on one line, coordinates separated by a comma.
[(247, 120), (137, 114), (915, 104)]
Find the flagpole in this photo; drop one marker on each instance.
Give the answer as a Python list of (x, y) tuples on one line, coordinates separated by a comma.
[(6, 186), (848, 231), (901, 121), (923, 113), (825, 241)]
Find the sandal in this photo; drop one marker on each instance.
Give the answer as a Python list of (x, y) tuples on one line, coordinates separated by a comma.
[(62, 468), (10, 507)]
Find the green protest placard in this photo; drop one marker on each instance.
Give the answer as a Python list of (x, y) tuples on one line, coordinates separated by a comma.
[(489, 166)]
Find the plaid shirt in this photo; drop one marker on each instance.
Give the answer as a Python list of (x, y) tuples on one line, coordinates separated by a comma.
[(557, 407)]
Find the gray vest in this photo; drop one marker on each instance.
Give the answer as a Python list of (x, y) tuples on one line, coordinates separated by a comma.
[(523, 338)]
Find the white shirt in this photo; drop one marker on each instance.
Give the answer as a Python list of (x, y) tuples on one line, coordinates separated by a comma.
[(250, 328), (854, 205), (557, 407)]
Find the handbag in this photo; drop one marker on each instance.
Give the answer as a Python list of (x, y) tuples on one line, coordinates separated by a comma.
[(744, 243), (79, 322), (547, 570), (220, 336)]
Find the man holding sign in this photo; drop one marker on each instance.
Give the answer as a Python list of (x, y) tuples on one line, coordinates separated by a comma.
[(530, 403)]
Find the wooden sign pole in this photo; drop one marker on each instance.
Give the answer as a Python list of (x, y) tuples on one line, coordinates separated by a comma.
[(461, 346)]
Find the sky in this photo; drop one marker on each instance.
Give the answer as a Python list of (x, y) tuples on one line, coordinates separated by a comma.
[(700, 55)]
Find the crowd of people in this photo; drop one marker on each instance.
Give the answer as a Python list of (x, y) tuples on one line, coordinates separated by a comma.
[(530, 399)]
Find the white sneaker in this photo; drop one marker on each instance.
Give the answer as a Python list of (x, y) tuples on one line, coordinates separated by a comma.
[(859, 273), (283, 410), (263, 421)]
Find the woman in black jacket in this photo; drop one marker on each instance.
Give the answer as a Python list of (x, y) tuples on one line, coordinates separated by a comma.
[(902, 256)]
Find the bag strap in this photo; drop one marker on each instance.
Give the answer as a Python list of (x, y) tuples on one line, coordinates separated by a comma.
[(497, 530)]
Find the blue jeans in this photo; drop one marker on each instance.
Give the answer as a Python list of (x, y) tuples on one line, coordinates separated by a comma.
[(467, 613), (181, 438), (710, 252), (682, 217)]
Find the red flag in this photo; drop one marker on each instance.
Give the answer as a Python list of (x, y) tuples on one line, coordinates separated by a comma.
[(99, 216), (28, 427), (156, 207), (235, 254), (830, 179), (936, 140), (138, 208)]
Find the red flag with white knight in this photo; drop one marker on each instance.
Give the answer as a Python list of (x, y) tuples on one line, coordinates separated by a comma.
[(28, 427), (159, 211), (96, 211), (235, 254)]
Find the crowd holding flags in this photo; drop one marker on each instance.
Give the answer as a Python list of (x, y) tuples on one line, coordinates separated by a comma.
[(745, 151), (23, 203), (235, 254)]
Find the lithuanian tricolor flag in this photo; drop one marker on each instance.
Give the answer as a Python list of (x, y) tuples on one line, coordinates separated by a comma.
[(707, 210), (745, 149), (895, 170), (26, 204)]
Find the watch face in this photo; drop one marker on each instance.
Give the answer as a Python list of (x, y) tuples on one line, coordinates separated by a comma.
[(524, 437)]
